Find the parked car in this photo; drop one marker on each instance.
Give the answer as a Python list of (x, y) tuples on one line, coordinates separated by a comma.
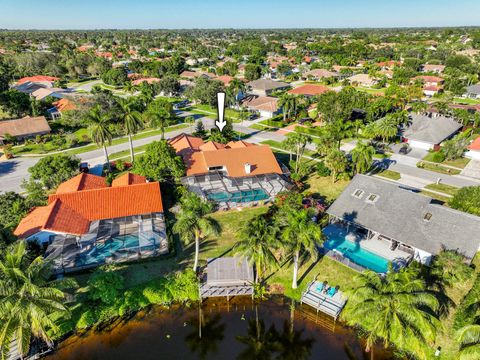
[(405, 149), (181, 104)]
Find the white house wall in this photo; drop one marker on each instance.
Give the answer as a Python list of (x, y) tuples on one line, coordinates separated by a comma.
[(423, 256), (420, 144), (474, 155)]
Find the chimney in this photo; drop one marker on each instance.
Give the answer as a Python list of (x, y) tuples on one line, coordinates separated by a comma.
[(248, 168)]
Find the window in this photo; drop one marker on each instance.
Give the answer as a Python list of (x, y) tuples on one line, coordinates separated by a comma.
[(372, 198), (427, 216), (215, 168), (358, 193)]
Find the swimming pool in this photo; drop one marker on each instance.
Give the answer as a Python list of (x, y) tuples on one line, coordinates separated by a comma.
[(336, 239), (101, 251), (239, 196)]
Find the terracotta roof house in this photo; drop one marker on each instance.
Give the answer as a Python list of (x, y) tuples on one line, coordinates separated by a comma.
[(309, 90), (24, 128), (266, 106), (399, 223), (318, 74), (232, 175), (149, 80), (194, 74), (473, 150), (28, 85), (264, 87), (88, 223), (37, 79), (427, 131), (429, 80), (225, 79)]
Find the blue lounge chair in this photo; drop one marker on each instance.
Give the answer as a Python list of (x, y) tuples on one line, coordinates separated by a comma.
[(332, 291), (320, 287)]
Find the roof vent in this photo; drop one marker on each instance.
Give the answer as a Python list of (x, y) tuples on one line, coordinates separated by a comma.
[(248, 168)]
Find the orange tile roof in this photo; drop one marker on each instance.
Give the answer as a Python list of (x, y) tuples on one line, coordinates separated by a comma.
[(211, 145), (37, 78), (82, 182), (150, 80), (239, 144), (262, 103), (129, 179), (475, 145), (309, 89), (226, 79), (64, 105), (184, 142), (72, 212), (429, 78)]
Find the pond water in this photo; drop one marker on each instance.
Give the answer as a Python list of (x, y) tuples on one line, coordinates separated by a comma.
[(240, 330)]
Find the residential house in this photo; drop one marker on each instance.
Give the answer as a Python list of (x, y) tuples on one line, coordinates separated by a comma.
[(149, 80), (362, 80), (265, 87), (473, 150), (432, 68), (388, 65), (393, 217), (233, 175), (42, 93), (88, 223), (431, 84), (225, 79), (427, 131), (266, 106), (309, 90), (319, 74), (26, 127), (473, 92), (191, 75), (61, 106), (28, 85)]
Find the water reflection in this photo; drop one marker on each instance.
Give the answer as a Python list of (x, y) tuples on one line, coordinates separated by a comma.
[(242, 330)]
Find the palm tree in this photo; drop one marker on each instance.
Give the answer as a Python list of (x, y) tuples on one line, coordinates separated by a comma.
[(336, 162), (362, 156), (302, 236), (288, 103), (129, 87), (98, 127), (159, 115), (256, 244), (396, 308), (469, 339), (386, 128), (132, 121), (237, 87), (29, 303), (297, 142), (193, 222)]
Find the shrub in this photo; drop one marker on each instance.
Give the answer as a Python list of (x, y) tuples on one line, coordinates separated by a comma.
[(467, 199), (437, 156), (322, 169), (105, 285), (87, 319), (120, 165), (132, 300)]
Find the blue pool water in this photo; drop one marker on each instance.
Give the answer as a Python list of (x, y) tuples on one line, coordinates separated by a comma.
[(336, 239), (101, 251), (239, 196)]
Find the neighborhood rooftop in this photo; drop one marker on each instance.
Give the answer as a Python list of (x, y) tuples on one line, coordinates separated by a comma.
[(406, 216), (431, 128)]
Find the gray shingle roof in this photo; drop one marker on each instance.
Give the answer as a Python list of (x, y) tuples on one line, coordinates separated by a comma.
[(266, 84), (474, 89), (431, 129), (399, 213)]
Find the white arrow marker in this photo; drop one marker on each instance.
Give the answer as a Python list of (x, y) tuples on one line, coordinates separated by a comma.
[(220, 123)]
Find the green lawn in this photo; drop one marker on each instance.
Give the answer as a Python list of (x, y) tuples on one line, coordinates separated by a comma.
[(48, 147), (279, 145), (466, 101), (325, 187), (203, 109), (389, 174), (441, 198), (437, 168), (443, 188), (460, 162)]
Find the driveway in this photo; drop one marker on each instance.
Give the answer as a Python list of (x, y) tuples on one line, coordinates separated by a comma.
[(472, 169)]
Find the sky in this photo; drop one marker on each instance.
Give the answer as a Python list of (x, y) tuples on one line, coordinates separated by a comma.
[(187, 14)]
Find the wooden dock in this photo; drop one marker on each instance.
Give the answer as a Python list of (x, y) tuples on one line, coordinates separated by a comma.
[(320, 301)]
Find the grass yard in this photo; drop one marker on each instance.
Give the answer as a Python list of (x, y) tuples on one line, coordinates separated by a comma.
[(389, 174), (443, 188), (279, 145), (443, 199), (203, 109), (437, 168), (460, 162), (324, 187), (466, 101)]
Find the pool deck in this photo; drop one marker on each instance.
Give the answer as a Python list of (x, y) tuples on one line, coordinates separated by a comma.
[(330, 305), (375, 245)]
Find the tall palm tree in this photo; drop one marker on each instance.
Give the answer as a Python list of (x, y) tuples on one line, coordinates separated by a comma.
[(288, 103), (193, 222), (159, 114), (302, 236), (396, 308), (256, 243), (385, 128), (132, 121), (29, 303), (469, 339), (237, 87), (362, 156), (98, 127)]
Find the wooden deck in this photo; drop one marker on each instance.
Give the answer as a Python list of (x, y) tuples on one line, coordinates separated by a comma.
[(330, 305)]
